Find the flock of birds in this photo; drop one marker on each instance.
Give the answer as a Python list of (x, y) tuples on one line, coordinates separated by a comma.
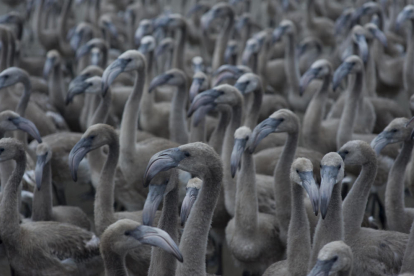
[(278, 129)]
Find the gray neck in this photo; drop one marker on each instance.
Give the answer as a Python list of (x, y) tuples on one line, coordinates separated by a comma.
[(129, 121), (371, 72), (282, 185), (409, 63), (331, 228), (178, 122), (198, 133), (299, 243), (178, 56), (291, 64), (394, 193), (314, 114), (114, 264), (356, 200), (9, 213), (246, 216), (217, 137), (195, 235), (162, 262), (42, 199), (348, 118), (229, 183), (221, 43), (254, 109), (56, 89), (104, 198)]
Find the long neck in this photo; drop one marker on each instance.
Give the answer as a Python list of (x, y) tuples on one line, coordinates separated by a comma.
[(42, 199), (129, 122), (246, 197), (299, 243), (64, 45), (331, 228), (217, 137), (229, 183), (55, 89), (195, 235), (178, 57), (114, 264), (370, 72), (356, 200), (197, 133), (408, 264), (409, 64), (254, 110), (348, 118), (221, 44), (291, 65), (96, 158), (9, 213), (104, 198), (4, 50), (312, 120), (310, 13), (394, 193), (178, 122), (162, 262), (282, 184)]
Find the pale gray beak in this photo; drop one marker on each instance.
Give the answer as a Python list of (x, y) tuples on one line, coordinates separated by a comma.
[(154, 198), (188, 202)]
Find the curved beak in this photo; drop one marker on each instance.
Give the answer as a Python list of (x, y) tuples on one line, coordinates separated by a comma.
[(227, 67), (112, 29), (358, 13), (111, 72), (261, 131), (201, 113), (76, 155), (236, 155), (195, 88), (230, 51), (309, 184), (48, 67), (75, 88), (247, 53), (329, 175), (340, 73), (402, 16), (162, 161), (156, 237), (75, 40), (40, 164), (154, 198), (224, 76), (188, 202), (241, 23), (205, 98), (144, 48), (139, 34), (207, 18), (378, 34), (341, 22), (277, 34), (363, 47), (241, 86), (28, 127), (310, 75), (159, 80), (83, 50), (322, 268), (380, 142)]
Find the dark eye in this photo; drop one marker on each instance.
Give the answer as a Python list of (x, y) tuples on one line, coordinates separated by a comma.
[(129, 60), (339, 167), (346, 152), (320, 166), (92, 137), (1, 150), (282, 119), (10, 118), (335, 258), (6, 76), (297, 171), (221, 92), (247, 138), (394, 130), (187, 154)]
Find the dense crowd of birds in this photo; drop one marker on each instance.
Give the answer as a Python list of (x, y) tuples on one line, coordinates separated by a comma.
[(274, 134)]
